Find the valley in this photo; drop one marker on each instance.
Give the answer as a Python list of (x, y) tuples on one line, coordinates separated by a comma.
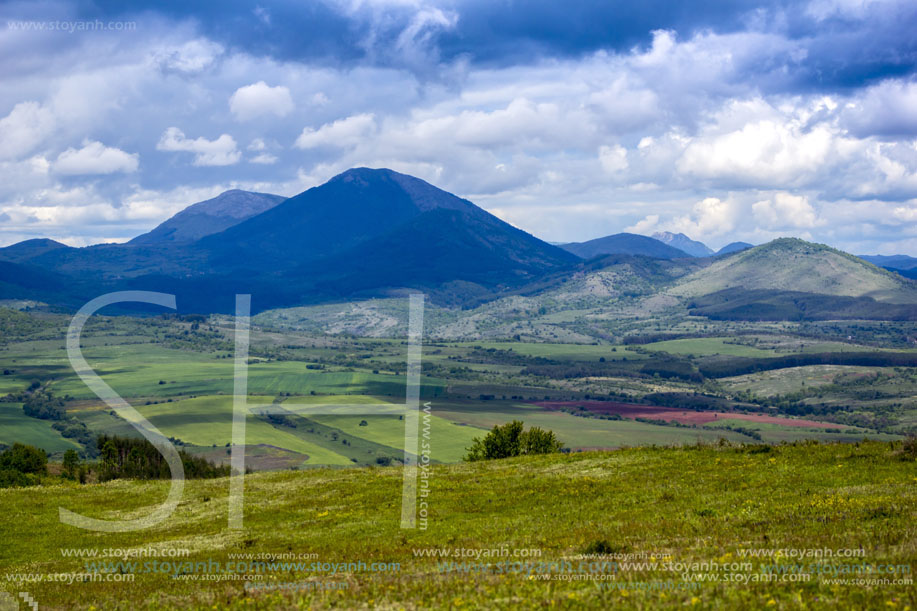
[(704, 405)]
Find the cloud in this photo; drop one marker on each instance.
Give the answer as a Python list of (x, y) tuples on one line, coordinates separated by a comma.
[(568, 119), (751, 144), (613, 158), (190, 58), (710, 217), (258, 100), (785, 211), (95, 158), (26, 127), (219, 152), (263, 159), (888, 109), (342, 133)]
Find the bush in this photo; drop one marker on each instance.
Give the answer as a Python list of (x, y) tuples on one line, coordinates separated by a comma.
[(10, 478), (510, 440), (24, 459), (42, 405)]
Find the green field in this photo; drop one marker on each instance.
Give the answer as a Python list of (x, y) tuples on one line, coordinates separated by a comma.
[(663, 506), (207, 421), (14, 427), (708, 345)]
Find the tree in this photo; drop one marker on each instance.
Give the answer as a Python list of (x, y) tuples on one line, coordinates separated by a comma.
[(511, 440), (71, 464)]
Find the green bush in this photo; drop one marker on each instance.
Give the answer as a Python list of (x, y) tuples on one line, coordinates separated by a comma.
[(511, 440), (10, 479), (24, 459)]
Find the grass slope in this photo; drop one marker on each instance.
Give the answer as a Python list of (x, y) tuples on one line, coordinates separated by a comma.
[(17, 427), (689, 505)]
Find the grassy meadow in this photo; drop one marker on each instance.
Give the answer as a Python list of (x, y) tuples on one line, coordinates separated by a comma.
[(637, 528)]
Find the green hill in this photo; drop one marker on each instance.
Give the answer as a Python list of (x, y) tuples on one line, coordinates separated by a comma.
[(641, 528), (790, 264)]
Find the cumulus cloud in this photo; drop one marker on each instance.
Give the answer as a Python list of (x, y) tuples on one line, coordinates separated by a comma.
[(260, 99), (95, 158), (342, 133), (219, 152), (26, 127), (761, 151), (785, 211), (709, 218), (613, 158)]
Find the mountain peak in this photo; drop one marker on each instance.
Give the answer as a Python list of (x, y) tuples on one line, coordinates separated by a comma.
[(210, 216), (734, 247), (683, 242)]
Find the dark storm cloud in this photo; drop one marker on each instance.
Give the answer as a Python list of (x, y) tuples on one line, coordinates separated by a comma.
[(843, 48)]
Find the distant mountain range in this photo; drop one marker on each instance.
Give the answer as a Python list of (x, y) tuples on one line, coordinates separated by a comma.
[(376, 233), (661, 246), (364, 232)]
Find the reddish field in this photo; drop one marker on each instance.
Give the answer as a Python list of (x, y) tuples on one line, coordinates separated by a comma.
[(629, 410)]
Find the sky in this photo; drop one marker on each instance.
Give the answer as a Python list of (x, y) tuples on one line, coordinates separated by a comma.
[(724, 120)]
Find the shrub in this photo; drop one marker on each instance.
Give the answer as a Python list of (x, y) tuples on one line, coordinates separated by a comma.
[(511, 440), (10, 478), (24, 459), (601, 546), (909, 448)]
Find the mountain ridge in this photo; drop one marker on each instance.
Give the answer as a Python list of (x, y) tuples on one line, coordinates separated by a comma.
[(624, 244), (684, 243), (210, 216)]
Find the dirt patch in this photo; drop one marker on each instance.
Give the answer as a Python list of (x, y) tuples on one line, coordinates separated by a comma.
[(630, 410)]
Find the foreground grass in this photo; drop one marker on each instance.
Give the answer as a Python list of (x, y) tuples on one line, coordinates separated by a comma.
[(680, 505)]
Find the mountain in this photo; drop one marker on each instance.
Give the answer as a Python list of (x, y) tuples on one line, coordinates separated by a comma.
[(29, 249), (366, 219), (211, 216), (897, 262), (683, 242), (790, 264), (365, 232), (624, 244), (734, 247)]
